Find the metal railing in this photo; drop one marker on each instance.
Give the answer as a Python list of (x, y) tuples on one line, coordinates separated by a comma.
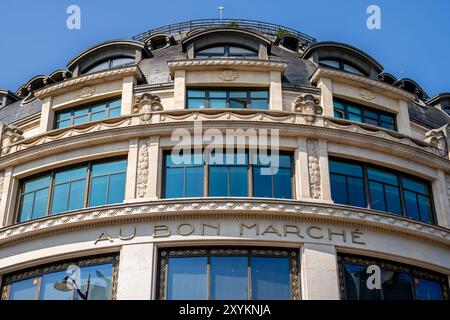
[(264, 27)]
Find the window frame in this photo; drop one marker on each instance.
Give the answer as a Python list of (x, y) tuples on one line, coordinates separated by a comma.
[(399, 175), (41, 270), (379, 113), (343, 62), (221, 251), (250, 170), (394, 266), (109, 61), (89, 106), (226, 52), (227, 98), (51, 173)]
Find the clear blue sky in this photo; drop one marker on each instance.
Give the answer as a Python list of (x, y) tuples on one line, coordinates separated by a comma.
[(414, 40)]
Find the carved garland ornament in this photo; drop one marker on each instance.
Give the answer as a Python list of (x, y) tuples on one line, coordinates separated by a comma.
[(87, 91), (10, 135), (143, 164), (309, 106), (145, 105), (228, 75), (314, 169)]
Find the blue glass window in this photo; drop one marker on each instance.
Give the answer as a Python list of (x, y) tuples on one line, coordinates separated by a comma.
[(272, 180), (34, 198), (229, 278), (92, 112), (69, 189), (227, 98), (226, 51), (108, 183), (187, 278), (358, 113), (347, 183), (270, 278), (114, 62), (229, 179)]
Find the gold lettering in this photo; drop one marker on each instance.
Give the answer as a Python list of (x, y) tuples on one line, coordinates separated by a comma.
[(331, 234), (103, 237), (290, 226), (161, 228), (125, 238), (271, 229), (356, 235), (308, 232), (217, 227), (242, 226), (185, 233)]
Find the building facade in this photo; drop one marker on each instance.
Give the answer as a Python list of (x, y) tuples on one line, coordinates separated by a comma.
[(93, 195)]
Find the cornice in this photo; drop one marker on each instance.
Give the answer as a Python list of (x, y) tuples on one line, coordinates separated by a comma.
[(226, 63), (365, 81), (88, 79), (233, 208)]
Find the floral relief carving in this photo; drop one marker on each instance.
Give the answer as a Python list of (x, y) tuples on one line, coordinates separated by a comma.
[(142, 171), (438, 138), (314, 169), (87, 91), (228, 75), (367, 94), (309, 106), (145, 105), (10, 135)]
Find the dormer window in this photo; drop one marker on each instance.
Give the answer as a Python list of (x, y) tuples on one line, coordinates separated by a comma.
[(226, 51), (110, 63), (341, 65)]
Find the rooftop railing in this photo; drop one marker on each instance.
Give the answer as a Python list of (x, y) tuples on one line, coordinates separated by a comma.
[(264, 27)]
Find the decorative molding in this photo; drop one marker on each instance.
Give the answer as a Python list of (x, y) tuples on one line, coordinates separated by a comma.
[(143, 168), (314, 169), (228, 75), (87, 91), (438, 138), (145, 105), (367, 94), (309, 106), (10, 136), (160, 210), (2, 178)]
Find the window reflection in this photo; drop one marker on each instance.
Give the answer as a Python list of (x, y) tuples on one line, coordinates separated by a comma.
[(227, 98), (226, 51)]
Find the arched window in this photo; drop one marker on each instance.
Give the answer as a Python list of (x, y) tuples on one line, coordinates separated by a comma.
[(109, 63), (226, 50), (341, 65)]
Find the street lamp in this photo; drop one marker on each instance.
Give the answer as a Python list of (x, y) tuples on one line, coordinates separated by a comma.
[(68, 284)]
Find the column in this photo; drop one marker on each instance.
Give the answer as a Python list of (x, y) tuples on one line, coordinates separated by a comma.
[(127, 95), (301, 170), (8, 198), (326, 100), (135, 272), (441, 199), (276, 94), (324, 170), (179, 89), (132, 164), (154, 168), (403, 123), (319, 272), (46, 123)]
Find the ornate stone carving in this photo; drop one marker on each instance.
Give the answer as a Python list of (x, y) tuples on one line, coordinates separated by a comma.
[(438, 138), (10, 135), (2, 177), (87, 91), (142, 171), (145, 105), (367, 94), (314, 169), (309, 106), (228, 75)]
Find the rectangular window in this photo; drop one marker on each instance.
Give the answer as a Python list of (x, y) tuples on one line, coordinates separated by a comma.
[(224, 176), (398, 282), (221, 98), (228, 274), (73, 188), (95, 111), (358, 113), (363, 185), (48, 282)]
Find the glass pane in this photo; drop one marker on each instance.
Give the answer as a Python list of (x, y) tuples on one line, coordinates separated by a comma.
[(77, 190), (259, 94), (388, 126), (370, 114), (354, 110), (98, 191), (81, 112), (396, 286), (339, 114), (116, 192), (98, 116), (48, 291), (229, 278), (24, 289), (238, 182), (241, 51), (101, 107), (37, 184), (238, 94), (387, 118), (356, 192), (115, 104), (218, 94), (354, 117), (60, 198), (382, 176), (213, 50), (63, 124), (412, 207), (187, 278), (40, 204), (218, 181), (270, 278), (70, 175), (282, 185), (114, 112), (338, 105), (393, 199), (196, 94), (284, 161), (100, 287), (238, 104), (330, 63), (349, 169), (217, 103), (425, 209), (356, 283), (194, 182), (109, 167), (99, 67), (262, 184), (196, 103), (339, 191), (260, 104), (415, 185), (427, 290), (371, 121), (174, 183), (26, 207), (117, 62), (63, 116), (376, 196), (349, 68), (80, 120)]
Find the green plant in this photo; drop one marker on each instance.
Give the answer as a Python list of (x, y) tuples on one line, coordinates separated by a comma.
[(233, 24), (281, 32)]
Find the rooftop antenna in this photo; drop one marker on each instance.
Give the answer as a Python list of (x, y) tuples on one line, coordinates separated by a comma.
[(221, 8)]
